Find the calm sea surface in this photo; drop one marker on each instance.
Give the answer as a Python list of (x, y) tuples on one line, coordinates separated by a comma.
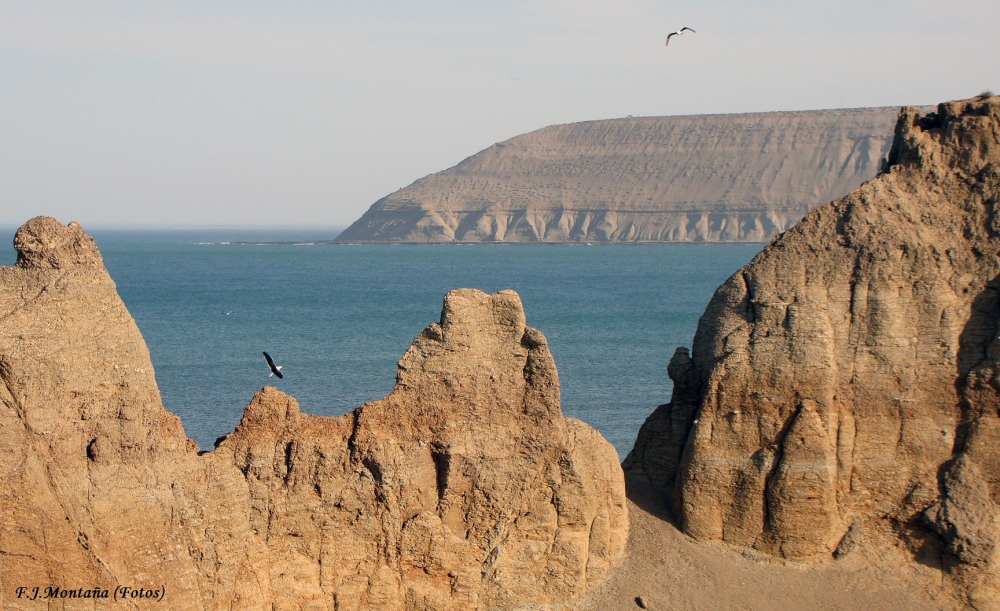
[(338, 317)]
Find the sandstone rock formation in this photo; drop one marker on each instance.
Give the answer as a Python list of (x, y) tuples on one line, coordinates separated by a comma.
[(707, 178), (465, 488), (842, 391)]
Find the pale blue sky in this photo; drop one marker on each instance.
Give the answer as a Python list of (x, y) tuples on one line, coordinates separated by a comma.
[(232, 113)]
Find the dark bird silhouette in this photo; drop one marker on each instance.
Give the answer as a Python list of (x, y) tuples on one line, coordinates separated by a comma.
[(275, 369), (678, 33)]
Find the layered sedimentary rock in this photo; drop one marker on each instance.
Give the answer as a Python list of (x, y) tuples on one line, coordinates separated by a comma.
[(709, 178), (844, 384), (464, 488)]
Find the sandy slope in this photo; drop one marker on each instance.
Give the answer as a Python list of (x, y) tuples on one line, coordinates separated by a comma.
[(672, 571)]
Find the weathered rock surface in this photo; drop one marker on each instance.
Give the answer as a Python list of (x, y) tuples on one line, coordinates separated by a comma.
[(842, 390), (465, 488), (706, 178)]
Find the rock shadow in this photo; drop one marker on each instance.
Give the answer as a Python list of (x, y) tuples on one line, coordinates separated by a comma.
[(979, 332), (950, 528), (978, 354), (649, 498)]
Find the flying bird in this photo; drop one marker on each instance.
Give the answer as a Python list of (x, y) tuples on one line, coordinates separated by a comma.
[(275, 369), (678, 33)]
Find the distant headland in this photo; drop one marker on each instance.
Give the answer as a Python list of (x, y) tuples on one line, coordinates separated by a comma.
[(697, 178)]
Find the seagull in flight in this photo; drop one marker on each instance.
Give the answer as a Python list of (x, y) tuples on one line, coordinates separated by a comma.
[(678, 33), (275, 369)]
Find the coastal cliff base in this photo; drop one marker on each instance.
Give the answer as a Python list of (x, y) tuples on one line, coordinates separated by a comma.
[(536, 224), (670, 570)]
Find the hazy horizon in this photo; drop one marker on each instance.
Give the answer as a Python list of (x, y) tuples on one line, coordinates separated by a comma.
[(13, 226), (216, 114)]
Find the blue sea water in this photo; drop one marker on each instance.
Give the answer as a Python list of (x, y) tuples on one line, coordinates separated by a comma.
[(338, 317)]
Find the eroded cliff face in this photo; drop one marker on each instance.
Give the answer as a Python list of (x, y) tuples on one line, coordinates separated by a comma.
[(701, 178), (465, 488), (842, 390)]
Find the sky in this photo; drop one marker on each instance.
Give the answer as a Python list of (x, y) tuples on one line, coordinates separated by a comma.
[(208, 113)]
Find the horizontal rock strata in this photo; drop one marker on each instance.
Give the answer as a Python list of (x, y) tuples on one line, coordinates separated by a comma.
[(705, 178), (464, 488), (844, 383)]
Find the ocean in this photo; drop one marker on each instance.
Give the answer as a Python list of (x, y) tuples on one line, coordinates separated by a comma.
[(338, 317)]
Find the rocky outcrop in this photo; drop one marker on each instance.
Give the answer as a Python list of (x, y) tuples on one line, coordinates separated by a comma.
[(702, 178), (464, 488), (843, 386)]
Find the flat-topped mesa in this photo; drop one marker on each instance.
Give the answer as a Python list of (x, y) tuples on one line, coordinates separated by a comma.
[(464, 488), (700, 178), (845, 380)]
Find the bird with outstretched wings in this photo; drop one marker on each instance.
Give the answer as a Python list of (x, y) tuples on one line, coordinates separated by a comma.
[(678, 33), (275, 369)]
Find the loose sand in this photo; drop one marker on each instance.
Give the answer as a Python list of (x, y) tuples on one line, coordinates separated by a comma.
[(669, 570)]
